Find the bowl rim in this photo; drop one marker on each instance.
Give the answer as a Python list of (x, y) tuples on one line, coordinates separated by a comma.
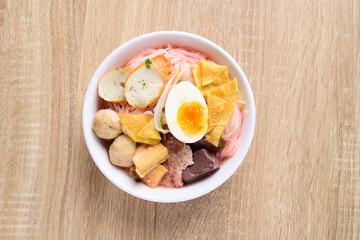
[(245, 83)]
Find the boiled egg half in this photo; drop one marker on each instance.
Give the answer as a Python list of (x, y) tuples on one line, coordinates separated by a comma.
[(186, 112)]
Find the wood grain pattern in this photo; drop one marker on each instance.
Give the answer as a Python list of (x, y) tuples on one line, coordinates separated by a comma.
[(300, 179)]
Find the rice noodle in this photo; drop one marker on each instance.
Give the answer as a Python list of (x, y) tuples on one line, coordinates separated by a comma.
[(180, 58), (126, 108), (232, 134)]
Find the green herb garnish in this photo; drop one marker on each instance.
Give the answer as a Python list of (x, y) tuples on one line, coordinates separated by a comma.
[(223, 144), (147, 63), (179, 81), (138, 180), (131, 88), (161, 124), (192, 73)]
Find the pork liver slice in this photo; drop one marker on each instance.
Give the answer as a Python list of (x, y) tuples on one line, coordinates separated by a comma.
[(205, 163)]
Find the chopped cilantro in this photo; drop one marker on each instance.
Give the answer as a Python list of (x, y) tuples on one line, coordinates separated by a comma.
[(148, 62), (138, 180), (131, 88), (223, 144), (161, 124), (192, 73)]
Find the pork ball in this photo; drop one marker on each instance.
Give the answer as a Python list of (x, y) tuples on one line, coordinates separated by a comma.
[(107, 124), (122, 150)]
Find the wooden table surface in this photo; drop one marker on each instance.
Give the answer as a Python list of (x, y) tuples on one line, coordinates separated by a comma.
[(300, 179)]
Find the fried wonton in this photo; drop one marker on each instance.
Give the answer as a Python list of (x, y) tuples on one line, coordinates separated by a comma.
[(140, 128), (208, 75), (230, 99)]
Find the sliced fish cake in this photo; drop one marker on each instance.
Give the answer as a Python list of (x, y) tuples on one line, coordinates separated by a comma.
[(143, 87), (111, 85)]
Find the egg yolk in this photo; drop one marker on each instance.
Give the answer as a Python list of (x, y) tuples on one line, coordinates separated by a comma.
[(192, 117)]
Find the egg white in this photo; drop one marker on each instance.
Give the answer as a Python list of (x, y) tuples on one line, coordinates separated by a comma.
[(179, 94)]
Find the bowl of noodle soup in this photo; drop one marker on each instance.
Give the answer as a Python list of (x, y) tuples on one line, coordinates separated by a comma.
[(126, 55)]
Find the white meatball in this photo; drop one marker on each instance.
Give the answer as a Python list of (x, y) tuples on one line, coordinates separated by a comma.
[(107, 124), (122, 150)]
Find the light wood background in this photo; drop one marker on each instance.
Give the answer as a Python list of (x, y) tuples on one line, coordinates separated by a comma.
[(300, 179)]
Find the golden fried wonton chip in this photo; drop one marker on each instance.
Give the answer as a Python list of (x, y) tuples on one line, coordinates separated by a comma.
[(208, 75), (216, 106), (218, 92), (149, 131), (213, 73), (230, 98), (134, 124)]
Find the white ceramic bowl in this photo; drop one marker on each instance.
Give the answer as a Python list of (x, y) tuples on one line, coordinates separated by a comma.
[(99, 154)]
